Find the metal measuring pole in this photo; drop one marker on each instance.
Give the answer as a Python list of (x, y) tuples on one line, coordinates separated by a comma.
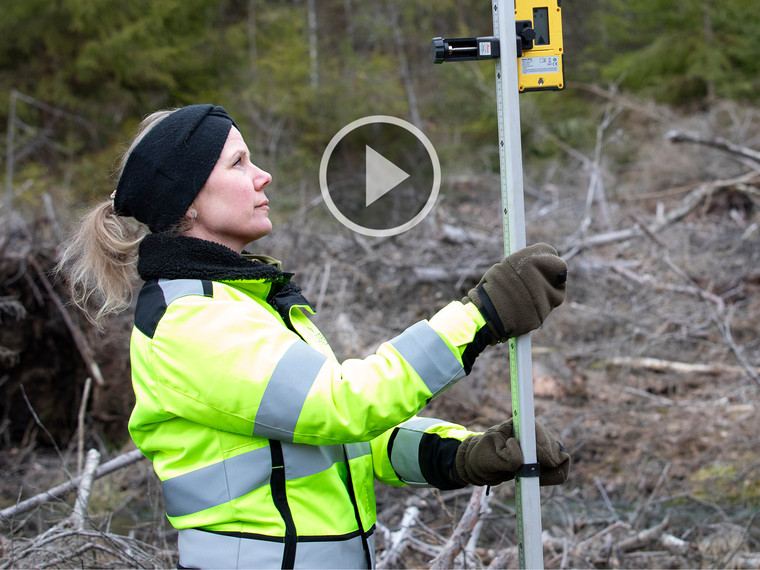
[(502, 47), (527, 495)]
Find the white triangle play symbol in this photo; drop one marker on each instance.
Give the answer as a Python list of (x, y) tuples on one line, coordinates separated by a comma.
[(381, 176)]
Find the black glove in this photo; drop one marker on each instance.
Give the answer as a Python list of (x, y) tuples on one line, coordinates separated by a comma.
[(495, 456), (517, 294)]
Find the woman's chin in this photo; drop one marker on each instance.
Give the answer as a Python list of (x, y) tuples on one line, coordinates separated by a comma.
[(262, 231)]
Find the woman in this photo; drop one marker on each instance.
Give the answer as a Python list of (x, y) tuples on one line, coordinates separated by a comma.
[(265, 444)]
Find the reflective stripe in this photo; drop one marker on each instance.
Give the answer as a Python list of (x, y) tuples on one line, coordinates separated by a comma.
[(286, 392), (405, 455), (155, 296), (218, 483), (429, 355), (175, 288), (356, 450), (303, 460), (200, 549), (237, 476)]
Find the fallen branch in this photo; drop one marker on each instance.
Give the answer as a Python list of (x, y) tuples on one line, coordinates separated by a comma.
[(80, 422), (67, 548), (652, 281), (723, 327), (59, 491), (76, 334), (583, 545), (714, 142), (687, 204), (429, 550), (398, 540), (462, 532), (643, 538), (78, 517), (509, 557), (675, 545), (751, 560), (725, 330), (443, 274), (472, 543), (659, 365), (657, 536)]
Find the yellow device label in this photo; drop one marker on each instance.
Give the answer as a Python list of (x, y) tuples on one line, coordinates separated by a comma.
[(541, 67)]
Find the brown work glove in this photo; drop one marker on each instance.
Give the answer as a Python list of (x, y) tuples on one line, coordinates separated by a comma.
[(495, 456), (517, 294)]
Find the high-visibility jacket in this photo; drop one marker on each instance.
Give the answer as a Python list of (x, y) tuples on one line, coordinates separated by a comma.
[(265, 444)]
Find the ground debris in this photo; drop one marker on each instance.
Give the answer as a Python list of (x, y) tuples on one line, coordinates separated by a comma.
[(75, 548)]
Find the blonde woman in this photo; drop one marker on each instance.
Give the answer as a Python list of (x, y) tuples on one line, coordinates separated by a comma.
[(266, 445)]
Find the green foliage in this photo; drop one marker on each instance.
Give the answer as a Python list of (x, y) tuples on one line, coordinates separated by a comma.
[(110, 62), (679, 52), (107, 58), (105, 63)]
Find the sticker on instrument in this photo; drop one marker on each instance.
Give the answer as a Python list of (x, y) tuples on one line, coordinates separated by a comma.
[(536, 65)]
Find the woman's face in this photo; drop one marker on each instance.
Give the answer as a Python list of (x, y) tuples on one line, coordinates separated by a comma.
[(231, 207)]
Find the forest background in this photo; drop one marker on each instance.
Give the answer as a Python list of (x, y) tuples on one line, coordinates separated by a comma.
[(649, 371)]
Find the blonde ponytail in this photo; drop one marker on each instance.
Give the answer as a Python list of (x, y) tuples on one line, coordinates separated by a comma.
[(100, 258), (100, 262)]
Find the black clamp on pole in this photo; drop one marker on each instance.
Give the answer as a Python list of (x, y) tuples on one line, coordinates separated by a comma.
[(464, 49), (486, 47), (529, 470)]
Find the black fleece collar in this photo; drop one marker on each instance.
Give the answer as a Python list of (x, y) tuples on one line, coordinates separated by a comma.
[(181, 257)]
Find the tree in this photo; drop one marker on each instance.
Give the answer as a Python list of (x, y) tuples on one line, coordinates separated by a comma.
[(679, 51)]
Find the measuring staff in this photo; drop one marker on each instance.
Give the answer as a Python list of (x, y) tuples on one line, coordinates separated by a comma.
[(527, 47)]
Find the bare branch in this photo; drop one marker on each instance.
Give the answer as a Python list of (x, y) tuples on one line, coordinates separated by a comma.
[(651, 281), (79, 516), (643, 538), (462, 532), (659, 365), (76, 334), (725, 330), (714, 142), (687, 205), (59, 491), (398, 540)]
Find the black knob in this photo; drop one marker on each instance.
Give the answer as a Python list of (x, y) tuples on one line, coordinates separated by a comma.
[(438, 50), (527, 34)]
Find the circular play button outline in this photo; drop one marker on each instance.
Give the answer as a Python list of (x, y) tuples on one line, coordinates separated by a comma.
[(373, 232)]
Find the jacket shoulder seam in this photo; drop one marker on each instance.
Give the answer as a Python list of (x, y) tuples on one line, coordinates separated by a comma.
[(156, 296)]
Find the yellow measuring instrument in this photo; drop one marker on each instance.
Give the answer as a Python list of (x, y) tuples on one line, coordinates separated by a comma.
[(541, 66)]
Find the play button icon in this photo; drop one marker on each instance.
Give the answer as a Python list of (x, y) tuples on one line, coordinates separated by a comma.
[(380, 176)]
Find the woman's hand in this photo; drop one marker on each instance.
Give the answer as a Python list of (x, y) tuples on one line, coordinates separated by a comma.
[(495, 456), (517, 294)]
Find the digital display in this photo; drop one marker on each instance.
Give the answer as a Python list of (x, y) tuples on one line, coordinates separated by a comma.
[(541, 26)]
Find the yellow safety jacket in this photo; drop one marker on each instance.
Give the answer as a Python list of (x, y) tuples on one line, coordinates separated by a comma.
[(266, 446)]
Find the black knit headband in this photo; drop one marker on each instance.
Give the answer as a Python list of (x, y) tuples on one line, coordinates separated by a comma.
[(169, 166)]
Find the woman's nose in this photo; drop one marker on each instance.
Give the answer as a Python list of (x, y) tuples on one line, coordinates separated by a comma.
[(261, 178)]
